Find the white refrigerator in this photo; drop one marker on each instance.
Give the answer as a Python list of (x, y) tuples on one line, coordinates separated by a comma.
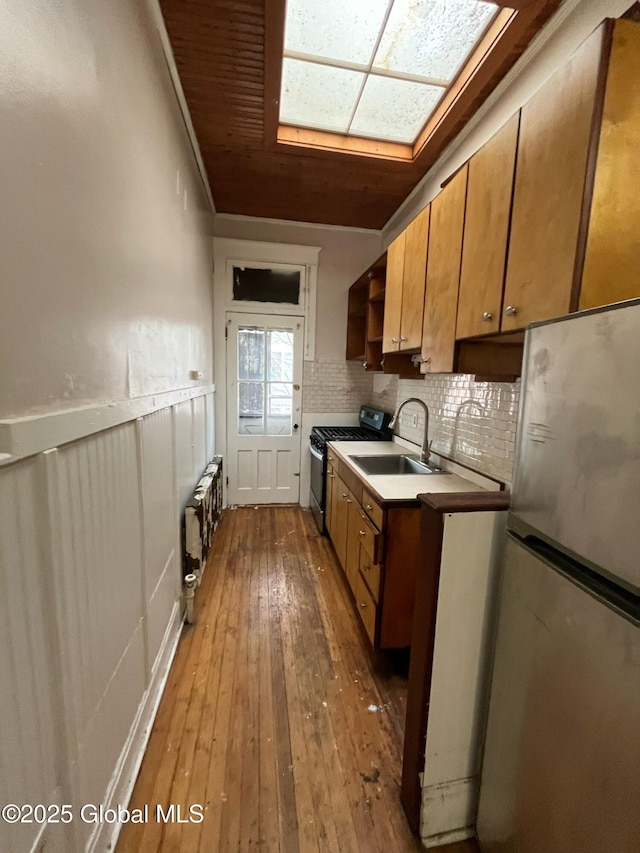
[(561, 769)]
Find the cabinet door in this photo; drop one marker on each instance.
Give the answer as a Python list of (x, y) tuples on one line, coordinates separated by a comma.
[(443, 275), (340, 514), (611, 259), (328, 501), (352, 561), (553, 148), (486, 229), (414, 281), (367, 609), (393, 294)]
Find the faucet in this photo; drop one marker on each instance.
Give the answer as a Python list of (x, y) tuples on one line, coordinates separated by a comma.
[(425, 450)]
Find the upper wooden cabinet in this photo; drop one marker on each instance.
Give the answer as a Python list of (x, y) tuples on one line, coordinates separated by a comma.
[(443, 275), (406, 269), (579, 137), (613, 240), (486, 233)]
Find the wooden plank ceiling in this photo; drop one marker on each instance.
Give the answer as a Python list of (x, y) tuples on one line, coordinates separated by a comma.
[(219, 48)]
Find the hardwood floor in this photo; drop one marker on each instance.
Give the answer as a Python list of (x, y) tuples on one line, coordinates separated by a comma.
[(274, 718)]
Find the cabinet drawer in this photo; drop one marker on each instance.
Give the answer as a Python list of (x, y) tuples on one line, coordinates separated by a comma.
[(370, 539), (373, 510), (366, 607), (371, 573)]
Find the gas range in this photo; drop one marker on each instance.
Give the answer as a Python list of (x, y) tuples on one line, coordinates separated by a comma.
[(321, 435), (374, 426)]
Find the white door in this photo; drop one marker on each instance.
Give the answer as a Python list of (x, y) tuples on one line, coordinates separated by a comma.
[(264, 400)]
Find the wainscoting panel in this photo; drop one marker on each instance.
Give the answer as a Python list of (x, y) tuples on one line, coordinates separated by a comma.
[(199, 436), (183, 444), (90, 611), (211, 436), (157, 477), (103, 641), (29, 742)]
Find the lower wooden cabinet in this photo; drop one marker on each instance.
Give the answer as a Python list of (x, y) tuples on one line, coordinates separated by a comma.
[(340, 518), (370, 572), (352, 555), (367, 608), (379, 558)]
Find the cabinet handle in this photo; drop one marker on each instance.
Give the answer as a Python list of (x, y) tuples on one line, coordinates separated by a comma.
[(344, 494), (330, 458), (487, 316), (510, 310), (332, 476), (365, 364), (395, 341), (362, 605), (369, 507), (402, 340), (363, 533), (349, 501)]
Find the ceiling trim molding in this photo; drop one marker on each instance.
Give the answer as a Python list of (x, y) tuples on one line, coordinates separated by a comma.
[(290, 223), (153, 7)]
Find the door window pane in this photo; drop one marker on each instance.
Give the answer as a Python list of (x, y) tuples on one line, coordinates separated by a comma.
[(250, 408), (280, 368), (251, 354)]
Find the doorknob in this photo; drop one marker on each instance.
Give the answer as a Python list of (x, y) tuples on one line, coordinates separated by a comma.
[(295, 426)]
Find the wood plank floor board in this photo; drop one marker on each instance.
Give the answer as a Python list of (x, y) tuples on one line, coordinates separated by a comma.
[(313, 654), (276, 716), (269, 808), (217, 795)]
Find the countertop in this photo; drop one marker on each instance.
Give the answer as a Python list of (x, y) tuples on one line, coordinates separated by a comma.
[(399, 487)]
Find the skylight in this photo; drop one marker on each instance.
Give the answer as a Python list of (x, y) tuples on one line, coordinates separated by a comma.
[(375, 68)]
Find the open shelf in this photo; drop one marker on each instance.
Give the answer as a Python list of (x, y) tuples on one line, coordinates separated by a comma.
[(366, 315)]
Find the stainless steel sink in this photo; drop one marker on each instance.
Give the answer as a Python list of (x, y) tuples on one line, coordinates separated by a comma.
[(395, 465)]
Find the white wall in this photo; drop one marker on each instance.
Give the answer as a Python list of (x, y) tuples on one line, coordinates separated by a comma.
[(106, 279), (106, 298), (568, 28)]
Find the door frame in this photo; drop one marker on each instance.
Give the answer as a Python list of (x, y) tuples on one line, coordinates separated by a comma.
[(240, 318), (276, 254)]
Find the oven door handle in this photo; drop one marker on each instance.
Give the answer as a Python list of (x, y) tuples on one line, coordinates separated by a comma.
[(316, 453)]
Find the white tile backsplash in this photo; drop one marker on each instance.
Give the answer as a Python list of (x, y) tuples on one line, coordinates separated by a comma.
[(335, 386), (472, 422)]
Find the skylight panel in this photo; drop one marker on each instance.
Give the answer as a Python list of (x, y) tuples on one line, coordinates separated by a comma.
[(432, 38), (345, 30), (394, 110), (375, 68), (318, 96)]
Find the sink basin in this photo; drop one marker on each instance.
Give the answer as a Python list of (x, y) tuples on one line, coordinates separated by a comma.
[(395, 465)]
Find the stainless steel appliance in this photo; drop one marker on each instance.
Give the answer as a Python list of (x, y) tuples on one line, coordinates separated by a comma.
[(374, 426), (561, 769)]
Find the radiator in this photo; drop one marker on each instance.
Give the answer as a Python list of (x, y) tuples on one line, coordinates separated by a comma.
[(201, 517)]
